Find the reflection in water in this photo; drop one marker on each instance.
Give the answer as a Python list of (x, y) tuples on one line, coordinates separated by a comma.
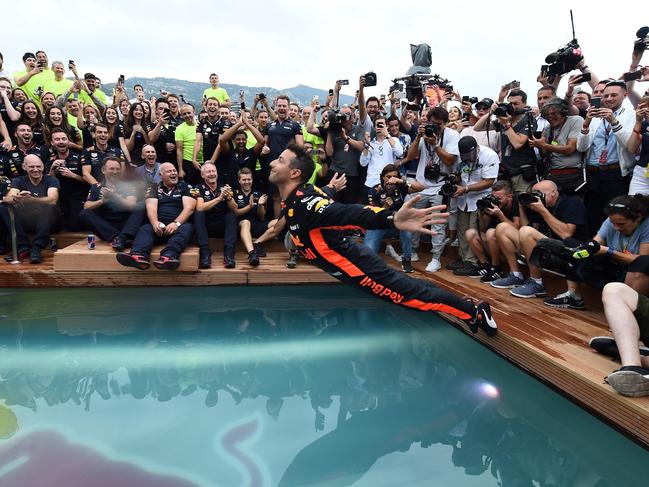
[(397, 385)]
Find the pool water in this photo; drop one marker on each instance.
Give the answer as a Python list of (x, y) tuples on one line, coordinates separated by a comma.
[(276, 386)]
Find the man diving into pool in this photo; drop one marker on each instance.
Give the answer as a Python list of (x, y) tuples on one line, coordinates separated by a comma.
[(317, 227)]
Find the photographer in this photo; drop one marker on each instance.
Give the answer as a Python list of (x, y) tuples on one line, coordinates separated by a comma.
[(558, 145), (604, 137), (611, 256), (378, 153), (639, 143), (478, 170), (490, 137), (436, 147), (544, 213), (501, 206), (344, 143)]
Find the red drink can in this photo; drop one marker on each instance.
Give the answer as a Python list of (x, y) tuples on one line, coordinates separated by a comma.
[(91, 241)]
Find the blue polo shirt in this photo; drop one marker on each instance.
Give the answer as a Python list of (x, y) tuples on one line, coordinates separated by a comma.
[(280, 134)]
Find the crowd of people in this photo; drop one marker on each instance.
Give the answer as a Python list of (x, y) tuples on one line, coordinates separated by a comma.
[(560, 186)]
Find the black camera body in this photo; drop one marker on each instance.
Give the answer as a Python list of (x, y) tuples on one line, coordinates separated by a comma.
[(336, 119), (488, 202), (565, 59), (449, 187), (471, 99), (504, 110), (642, 42), (370, 79), (534, 196), (261, 96), (432, 172), (431, 130)]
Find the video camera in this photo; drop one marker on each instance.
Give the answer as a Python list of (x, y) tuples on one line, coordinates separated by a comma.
[(450, 185), (504, 110), (432, 172), (564, 59), (413, 86), (336, 119), (534, 196), (642, 42), (488, 202)]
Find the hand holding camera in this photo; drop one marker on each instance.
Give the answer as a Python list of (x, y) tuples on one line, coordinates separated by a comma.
[(586, 250), (534, 200)]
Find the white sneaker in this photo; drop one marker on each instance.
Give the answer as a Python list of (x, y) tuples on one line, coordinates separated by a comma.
[(414, 257), (434, 265), (455, 243), (390, 252)]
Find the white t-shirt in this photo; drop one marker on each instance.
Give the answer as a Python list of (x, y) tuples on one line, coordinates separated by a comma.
[(378, 156), (485, 168), (428, 156)]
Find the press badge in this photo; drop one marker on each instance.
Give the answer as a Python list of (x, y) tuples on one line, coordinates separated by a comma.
[(603, 157)]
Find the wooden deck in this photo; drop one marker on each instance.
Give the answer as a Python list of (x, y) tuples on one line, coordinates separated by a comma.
[(551, 344)]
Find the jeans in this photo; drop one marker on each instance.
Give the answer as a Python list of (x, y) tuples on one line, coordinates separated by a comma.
[(373, 240), (437, 240)]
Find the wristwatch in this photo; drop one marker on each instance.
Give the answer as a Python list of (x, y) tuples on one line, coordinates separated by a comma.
[(177, 223)]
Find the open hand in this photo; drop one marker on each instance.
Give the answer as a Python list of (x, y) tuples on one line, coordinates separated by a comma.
[(411, 219)]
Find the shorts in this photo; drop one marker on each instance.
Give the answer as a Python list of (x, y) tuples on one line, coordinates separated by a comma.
[(642, 315), (257, 228)]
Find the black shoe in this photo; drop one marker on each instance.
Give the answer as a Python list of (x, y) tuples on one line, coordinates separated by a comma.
[(607, 346), (491, 275), (483, 320), (118, 244), (133, 260), (292, 260), (261, 251), (406, 265), (466, 270), (455, 265), (35, 256), (166, 263), (565, 300), (204, 259), (229, 262), (253, 258)]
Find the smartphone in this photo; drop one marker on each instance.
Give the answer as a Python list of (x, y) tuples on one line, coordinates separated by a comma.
[(515, 84), (596, 102), (538, 134), (331, 92), (314, 152), (465, 117), (343, 81), (632, 76), (584, 78), (382, 97), (241, 93), (316, 98)]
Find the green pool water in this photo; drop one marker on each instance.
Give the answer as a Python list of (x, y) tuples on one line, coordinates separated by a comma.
[(276, 386)]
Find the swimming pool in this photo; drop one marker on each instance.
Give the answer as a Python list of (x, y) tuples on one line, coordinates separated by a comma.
[(265, 386)]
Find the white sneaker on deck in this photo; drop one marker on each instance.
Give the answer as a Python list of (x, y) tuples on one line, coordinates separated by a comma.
[(434, 265), (390, 252)]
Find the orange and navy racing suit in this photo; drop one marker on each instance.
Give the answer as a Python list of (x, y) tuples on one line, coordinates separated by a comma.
[(318, 226)]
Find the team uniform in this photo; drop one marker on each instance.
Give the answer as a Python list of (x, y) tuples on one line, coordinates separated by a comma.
[(73, 192), (257, 226), (93, 157), (218, 221)]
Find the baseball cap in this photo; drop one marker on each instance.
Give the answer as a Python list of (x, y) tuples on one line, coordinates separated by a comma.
[(468, 148), (485, 102)]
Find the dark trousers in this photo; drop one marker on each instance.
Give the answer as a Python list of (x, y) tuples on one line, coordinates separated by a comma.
[(146, 238), (71, 206), (602, 187), (192, 175), (352, 192), (107, 229), (225, 226), (39, 220)]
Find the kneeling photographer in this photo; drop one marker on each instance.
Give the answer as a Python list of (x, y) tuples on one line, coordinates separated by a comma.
[(478, 171), (501, 206), (436, 147), (544, 213), (612, 255)]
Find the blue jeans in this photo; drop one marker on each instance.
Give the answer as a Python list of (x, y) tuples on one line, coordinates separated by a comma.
[(373, 240)]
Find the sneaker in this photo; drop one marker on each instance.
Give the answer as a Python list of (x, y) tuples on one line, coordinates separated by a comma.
[(631, 380), (166, 263), (529, 289), (229, 262), (607, 346), (414, 257), (204, 259), (456, 264), (292, 260), (565, 300), (35, 256), (479, 271), (468, 269), (455, 243), (520, 258), (434, 265), (390, 252), (406, 266), (492, 274), (261, 251), (253, 258), (507, 282), (133, 260), (484, 320), (118, 244)]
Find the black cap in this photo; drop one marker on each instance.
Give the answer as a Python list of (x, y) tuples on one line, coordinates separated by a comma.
[(486, 102), (467, 144), (89, 76)]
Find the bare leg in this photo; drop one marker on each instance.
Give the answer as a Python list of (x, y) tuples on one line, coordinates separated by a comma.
[(620, 301), (493, 247), (528, 238), (246, 236), (508, 240), (475, 243)]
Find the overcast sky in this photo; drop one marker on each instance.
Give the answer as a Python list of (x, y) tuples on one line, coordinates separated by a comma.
[(478, 45)]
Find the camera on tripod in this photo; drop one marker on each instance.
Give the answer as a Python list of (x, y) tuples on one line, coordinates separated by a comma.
[(564, 59)]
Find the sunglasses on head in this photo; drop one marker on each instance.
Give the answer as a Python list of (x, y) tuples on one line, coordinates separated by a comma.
[(618, 205)]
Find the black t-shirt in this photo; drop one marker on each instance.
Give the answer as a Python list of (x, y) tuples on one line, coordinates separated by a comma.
[(243, 200), (138, 144), (11, 125), (568, 209), (211, 133), (15, 157), (204, 191), (118, 132), (22, 183), (378, 196), (345, 158), (228, 166), (167, 136), (280, 134), (94, 157), (170, 200), (513, 158), (38, 137), (109, 210), (71, 187)]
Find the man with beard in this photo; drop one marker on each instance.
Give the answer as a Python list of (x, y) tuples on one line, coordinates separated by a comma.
[(208, 132), (93, 157), (162, 132), (232, 159), (25, 145)]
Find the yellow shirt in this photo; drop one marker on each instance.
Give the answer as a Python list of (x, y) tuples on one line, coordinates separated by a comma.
[(31, 87), (187, 135), (85, 97), (58, 87), (218, 93)]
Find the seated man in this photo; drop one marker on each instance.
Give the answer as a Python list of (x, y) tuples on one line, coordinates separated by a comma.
[(213, 218), (627, 313), (34, 198), (149, 172), (169, 206), (250, 208), (111, 210), (544, 213), (317, 227), (500, 207)]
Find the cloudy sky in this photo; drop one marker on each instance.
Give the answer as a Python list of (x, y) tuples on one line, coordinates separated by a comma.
[(478, 45)]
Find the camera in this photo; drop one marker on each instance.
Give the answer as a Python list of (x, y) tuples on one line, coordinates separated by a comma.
[(370, 79), (344, 82), (261, 96), (121, 78), (336, 119), (431, 130), (564, 59), (642, 43), (432, 172), (488, 202), (450, 185), (504, 110), (534, 196), (471, 99)]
